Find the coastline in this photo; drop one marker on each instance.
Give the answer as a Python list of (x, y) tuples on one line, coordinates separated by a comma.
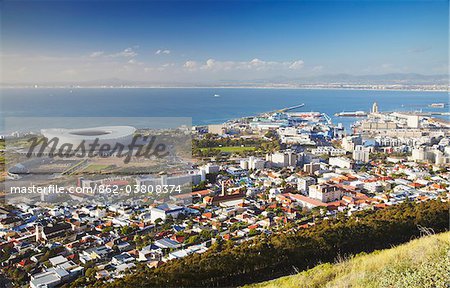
[(230, 87)]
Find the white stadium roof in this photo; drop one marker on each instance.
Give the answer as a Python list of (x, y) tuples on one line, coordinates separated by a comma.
[(101, 133)]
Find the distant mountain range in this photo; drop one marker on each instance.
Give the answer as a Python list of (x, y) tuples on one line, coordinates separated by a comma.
[(383, 79), (405, 79)]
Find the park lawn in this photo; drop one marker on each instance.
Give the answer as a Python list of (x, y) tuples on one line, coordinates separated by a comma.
[(96, 168), (232, 149)]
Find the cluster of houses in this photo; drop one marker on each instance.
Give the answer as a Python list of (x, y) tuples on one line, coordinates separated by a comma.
[(242, 198), (236, 207)]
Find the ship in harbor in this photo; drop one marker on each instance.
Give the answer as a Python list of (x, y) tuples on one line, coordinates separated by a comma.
[(351, 114), (437, 105), (306, 116)]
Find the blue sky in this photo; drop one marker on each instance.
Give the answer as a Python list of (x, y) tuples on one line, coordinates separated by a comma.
[(213, 40)]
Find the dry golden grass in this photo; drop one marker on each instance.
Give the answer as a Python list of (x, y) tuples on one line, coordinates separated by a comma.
[(423, 262)]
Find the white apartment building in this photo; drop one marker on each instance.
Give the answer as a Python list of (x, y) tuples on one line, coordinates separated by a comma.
[(164, 210), (325, 192), (349, 142), (341, 162), (431, 155), (282, 159), (328, 150), (387, 141), (311, 168), (291, 135), (361, 153), (252, 163), (303, 184), (211, 168), (373, 187)]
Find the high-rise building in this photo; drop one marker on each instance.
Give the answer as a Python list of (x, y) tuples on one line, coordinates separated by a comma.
[(361, 153), (310, 168), (282, 158), (412, 121), (349, 142), (375, 107)]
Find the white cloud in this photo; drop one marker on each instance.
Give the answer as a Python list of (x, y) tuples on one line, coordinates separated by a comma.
[(317, 68), (127, 53), (126, 64), (210, 63), (96, 54), (165, 66), (419, 49), (254, 64), (134, 62), (297, 65), (190, 65), (20, 70), (70, 72), (159, 52)]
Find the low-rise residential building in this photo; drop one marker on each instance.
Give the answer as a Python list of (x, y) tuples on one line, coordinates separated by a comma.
[(328, 150), (341, 162), (164, 210)]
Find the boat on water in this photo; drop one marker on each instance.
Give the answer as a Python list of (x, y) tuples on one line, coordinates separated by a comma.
[(437, 105), (306, 115), (216, 95), (351, 114)]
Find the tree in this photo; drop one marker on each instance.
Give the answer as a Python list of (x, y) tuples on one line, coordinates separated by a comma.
[(200, 186), (90, 272), (126, 230), (271, 134), (193, 240), (107, 229)]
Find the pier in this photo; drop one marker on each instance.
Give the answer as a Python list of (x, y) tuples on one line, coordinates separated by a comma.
[(291, 108)]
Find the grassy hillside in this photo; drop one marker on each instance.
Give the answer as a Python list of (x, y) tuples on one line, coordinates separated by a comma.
[(423, 262), (227, 264)]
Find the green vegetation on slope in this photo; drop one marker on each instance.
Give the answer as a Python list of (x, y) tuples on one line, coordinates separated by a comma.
[(231, 149), (422, 262), (211, 146)]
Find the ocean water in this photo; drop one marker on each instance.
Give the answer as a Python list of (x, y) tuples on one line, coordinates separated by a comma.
[(205, 105)]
